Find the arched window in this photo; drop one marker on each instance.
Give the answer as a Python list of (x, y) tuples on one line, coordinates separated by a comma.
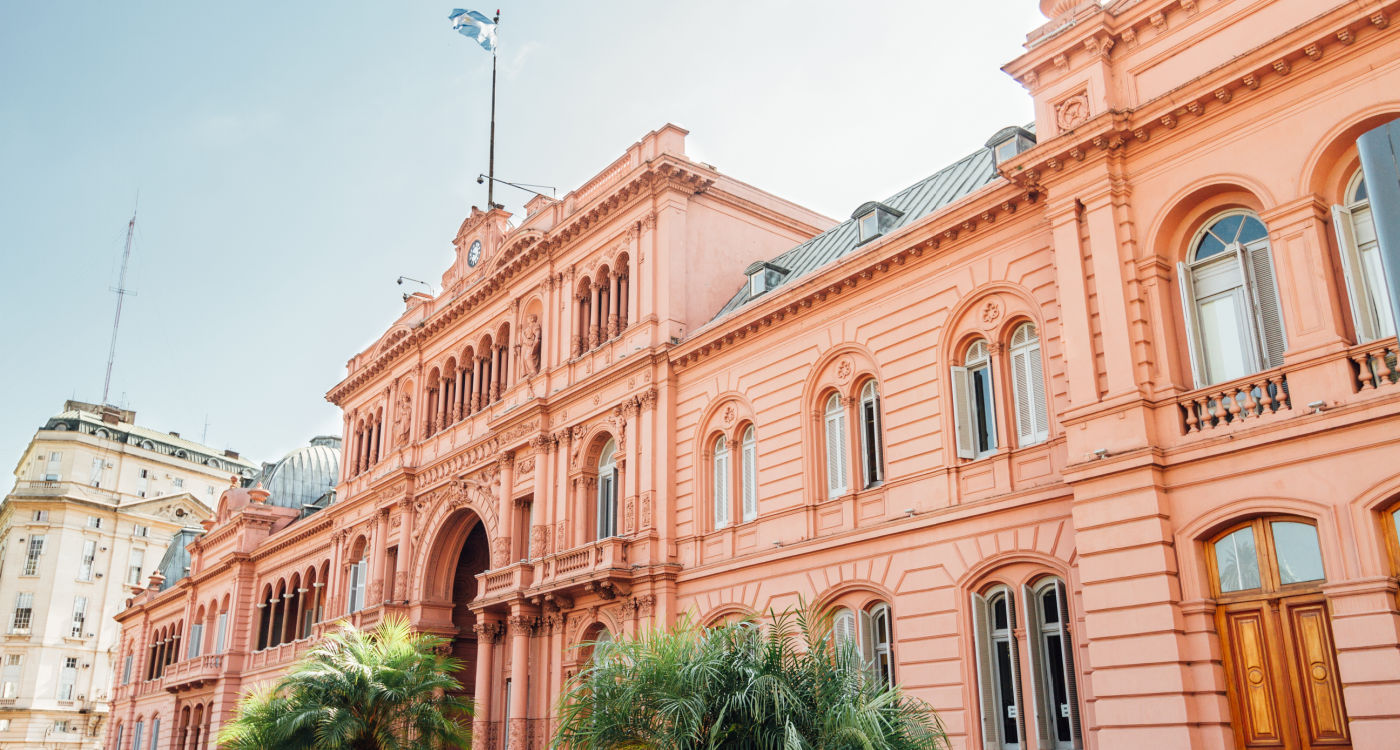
[(871, 445), (1361, 263), (607, 491), (1028, 386), (721, 481), (749, 458), (974, 405), (1052, 662), (998, 668), (1235, 326), (136, 734), (359, 575), (1276, 634), (835, 423), (871, 632)]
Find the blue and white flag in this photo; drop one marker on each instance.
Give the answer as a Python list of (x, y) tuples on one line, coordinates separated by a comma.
[(475, 26)]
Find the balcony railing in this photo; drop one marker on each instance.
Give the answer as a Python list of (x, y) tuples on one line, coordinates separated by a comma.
[(193, 672), (1374, 364), (579, 562), (1254, 397)]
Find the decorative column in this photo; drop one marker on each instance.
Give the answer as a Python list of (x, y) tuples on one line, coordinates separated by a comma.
[(405, 547), (381, 557), (540, 533), (593, 312), (488, 634), (291, 606), (474, 377), (623, 298), (580, 323), (522, 626), (496, 356), (502, 554), (614, 288), (461, 405)]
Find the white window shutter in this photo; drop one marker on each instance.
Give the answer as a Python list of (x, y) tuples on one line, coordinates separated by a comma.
[(867, 641), (1016, 665), (843, 628), (986, 685), (1043, 708), (1021, 387), (1343, 223), (1071, 677), (750, 459), (836, 457), (1040, 407), (721, 484), (1267, 319), (1193, 325), (963, 413)]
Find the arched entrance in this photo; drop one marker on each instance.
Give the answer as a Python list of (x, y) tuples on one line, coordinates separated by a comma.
[(460, 550), (473, 557), (1276, 635)]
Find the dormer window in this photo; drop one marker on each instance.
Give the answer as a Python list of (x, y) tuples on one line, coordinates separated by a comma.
[(874, 219), (1008, 142), (764, 276)]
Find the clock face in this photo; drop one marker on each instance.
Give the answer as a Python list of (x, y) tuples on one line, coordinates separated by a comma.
[(474, 254)]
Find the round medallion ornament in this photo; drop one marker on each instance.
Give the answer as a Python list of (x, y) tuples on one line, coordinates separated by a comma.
[(991, 312), (844, 370), (474, 254)]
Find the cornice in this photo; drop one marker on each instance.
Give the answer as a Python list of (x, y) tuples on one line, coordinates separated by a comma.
[(525, 247), (945, 230), (1300, 52), (269, 547)]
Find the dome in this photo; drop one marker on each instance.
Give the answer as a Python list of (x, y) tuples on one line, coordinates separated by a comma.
[(306, 474)]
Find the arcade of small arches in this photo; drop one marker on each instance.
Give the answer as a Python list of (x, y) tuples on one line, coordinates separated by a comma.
[(601, 306)]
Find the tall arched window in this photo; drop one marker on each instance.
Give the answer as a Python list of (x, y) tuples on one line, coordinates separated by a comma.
[(359, 575), (871, 441), (1276, 634), (974, 405), (1052, 663), (1361, 263), (835, 423), (1235, 325), (998, 668), (1028, 386), (721, 481), (607, 491), (749, 457), (871, 632)]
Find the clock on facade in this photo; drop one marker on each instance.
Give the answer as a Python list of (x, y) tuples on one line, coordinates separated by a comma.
[(474, 254)]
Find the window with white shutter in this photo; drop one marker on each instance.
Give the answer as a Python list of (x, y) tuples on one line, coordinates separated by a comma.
[(1028, 386), (79, 616), (871, 439), (835, 422), (721, 481), (607, 491), (67, 677), (1361, 263), (33, 554), (998, 669), (843, 627), (974, 405), (749, 457), (1233, 316)]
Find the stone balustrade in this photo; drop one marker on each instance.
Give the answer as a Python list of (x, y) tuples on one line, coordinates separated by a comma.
[(1254, 397)]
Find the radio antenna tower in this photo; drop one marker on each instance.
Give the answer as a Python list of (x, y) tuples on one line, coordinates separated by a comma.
[(121, 291)]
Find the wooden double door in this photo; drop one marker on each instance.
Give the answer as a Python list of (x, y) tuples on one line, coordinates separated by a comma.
[(1276, 637)]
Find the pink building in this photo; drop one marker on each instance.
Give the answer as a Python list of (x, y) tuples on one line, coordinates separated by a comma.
[(1091, 435)]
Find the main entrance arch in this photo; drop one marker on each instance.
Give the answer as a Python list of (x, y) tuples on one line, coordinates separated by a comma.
[(460, 550)]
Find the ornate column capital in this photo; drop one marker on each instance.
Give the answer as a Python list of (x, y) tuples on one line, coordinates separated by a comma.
[(489, 631)]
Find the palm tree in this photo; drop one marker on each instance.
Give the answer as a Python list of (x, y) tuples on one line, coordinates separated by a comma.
[(788, 685), (384, 689)]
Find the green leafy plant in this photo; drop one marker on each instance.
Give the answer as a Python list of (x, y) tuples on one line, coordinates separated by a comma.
[(387, 688), (789, 684)]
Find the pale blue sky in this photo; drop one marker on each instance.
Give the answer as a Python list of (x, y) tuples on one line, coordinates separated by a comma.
[(293, 159)]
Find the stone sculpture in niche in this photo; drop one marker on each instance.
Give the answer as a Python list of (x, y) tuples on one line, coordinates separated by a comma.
[(530, 337)]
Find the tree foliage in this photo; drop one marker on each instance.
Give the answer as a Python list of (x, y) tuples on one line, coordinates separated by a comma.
[(381, 689), (789, 684)]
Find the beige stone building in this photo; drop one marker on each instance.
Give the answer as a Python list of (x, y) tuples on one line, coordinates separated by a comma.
[(96, 502)]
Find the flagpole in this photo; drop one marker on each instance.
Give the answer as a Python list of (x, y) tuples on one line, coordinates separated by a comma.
[(491, 163)]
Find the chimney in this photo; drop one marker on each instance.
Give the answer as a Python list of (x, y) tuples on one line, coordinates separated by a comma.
[(231, 454)]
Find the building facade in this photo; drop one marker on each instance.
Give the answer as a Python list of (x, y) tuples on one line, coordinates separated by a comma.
[(96, 502), (1087, 437)]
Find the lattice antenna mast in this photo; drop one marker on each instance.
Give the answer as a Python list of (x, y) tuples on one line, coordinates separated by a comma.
[(121, 291)]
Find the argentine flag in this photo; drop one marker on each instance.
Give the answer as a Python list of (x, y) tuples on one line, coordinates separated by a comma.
[(475, 26)]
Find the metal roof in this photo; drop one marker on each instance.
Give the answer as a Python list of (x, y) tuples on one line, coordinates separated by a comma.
[(306, 474), (916, 201)]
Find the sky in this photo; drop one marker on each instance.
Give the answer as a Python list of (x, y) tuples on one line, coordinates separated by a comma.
[(292, 160)]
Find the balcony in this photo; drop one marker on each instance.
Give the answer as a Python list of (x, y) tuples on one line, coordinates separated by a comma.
[(193, 673), (1255, 398), (1374, 365), (277, 655), (592, 566)]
